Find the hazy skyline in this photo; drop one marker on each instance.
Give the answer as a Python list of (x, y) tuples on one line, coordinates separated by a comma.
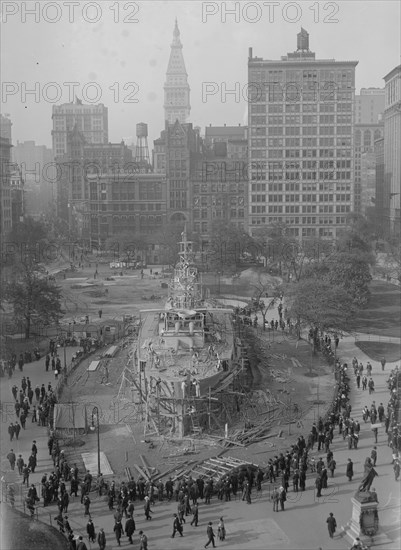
[(113, 53)]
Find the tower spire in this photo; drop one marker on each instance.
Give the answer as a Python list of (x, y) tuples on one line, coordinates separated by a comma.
[(176, 87)]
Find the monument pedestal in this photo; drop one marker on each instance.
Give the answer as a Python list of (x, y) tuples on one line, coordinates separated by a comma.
[(364, 521)]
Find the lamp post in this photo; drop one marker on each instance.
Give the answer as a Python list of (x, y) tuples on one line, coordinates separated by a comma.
[(95, 412)]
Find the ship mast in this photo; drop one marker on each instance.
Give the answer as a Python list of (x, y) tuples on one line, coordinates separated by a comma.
[(184, 287)]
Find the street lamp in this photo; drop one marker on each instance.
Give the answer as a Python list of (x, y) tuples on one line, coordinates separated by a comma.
[(95, 412)]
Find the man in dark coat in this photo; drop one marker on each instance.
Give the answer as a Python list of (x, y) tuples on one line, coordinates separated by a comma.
[(177, 527), (118, 531), (331, 524), (195, 513), (350, 470), (32, 463), (90, 529), (210, 535), (101, 539), (318, 484), (12, 459), (11, 431), (130, 528)]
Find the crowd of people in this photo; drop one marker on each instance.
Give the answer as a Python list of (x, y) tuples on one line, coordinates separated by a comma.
[(287, 471)]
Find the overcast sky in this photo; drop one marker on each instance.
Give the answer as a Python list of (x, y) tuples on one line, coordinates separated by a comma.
[(113, 53)]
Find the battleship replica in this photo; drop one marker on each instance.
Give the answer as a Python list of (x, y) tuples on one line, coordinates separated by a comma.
[(186, 353)]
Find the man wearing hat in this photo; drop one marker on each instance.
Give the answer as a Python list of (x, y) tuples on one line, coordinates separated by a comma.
[(101, 539), (331, 524)]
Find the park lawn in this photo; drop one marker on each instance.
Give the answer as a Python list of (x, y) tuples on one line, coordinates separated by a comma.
[(377, 350), (20, 532), (382, 315)]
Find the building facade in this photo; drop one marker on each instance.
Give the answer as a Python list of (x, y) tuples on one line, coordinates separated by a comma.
[(176, 88), (5, 127), (382, 193), (17, 195), (301, 139), (5, 187), (365, 137), (182, 150), (369, 106), (219, 188), (91, 120), (81, 160), (38, 170), (392, 146), (126, 202)]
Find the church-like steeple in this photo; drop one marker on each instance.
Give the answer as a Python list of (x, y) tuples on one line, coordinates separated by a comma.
[(176, 87)]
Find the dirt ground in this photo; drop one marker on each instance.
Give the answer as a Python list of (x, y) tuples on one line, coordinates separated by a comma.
[(122, 431)]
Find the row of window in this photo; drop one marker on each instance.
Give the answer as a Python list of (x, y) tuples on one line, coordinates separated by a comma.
[(325, 197), (205, 214), (306, 119), (307, 130)]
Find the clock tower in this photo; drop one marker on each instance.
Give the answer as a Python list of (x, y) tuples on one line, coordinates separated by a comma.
[(176, 87)]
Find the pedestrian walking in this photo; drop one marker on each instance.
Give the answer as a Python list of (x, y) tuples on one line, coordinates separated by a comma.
[(195, 515), (210, 535), (396, 469), (331, 524), (364, 382), (371, 386), (143, 541), (375, 433), (86, 502), (275, 498), (90, 529), (282, 497), (318, 485), (350, 470), (221, 530), (177, 526), (332, 466), (383, 362), (373, 455), (118, 531), (20, 464), (101, 539), (12, 458), (11, 431), (130, 529), (147, 509)]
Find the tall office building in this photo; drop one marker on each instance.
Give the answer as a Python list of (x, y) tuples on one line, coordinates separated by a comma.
[(176, 87), (219, 181), (369, 106), (301, 134), (369, 109), (91, 120), (5, 127), (392, 147), (365, 136), (5, 187)]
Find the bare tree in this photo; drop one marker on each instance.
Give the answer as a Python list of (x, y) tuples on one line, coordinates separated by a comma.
[(264, 298)]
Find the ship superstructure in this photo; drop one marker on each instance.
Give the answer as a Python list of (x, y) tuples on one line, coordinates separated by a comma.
[(184, 351)]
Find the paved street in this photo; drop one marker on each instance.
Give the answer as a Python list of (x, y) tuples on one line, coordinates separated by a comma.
[(255, 526)]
